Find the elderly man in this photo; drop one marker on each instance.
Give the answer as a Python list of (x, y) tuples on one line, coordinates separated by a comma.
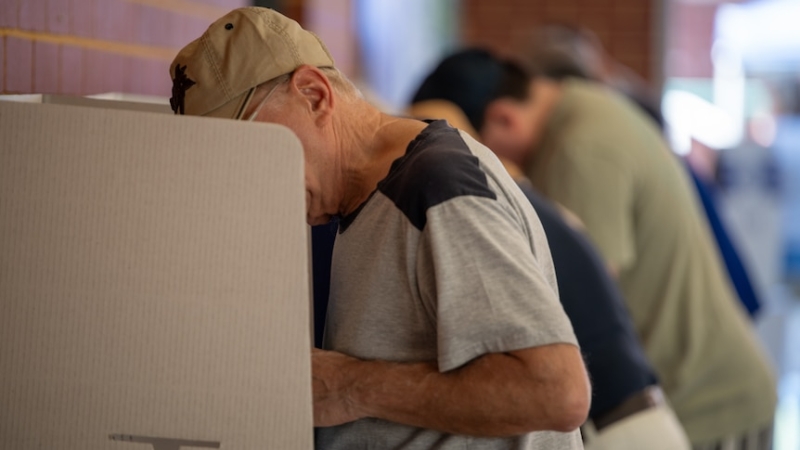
[(444, 327), (592, 151)]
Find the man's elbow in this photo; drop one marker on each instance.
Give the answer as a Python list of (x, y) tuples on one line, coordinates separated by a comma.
[(566, 409), (572, 410), (559, 394), (569, 393)]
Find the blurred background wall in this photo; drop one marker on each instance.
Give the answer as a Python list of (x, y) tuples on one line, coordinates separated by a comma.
[(94, 46), (628, 29)]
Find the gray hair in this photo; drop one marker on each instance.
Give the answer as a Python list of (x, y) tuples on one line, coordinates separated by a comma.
[(340, 83)]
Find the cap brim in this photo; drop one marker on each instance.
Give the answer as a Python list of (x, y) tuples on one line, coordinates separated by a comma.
[(233, 109)]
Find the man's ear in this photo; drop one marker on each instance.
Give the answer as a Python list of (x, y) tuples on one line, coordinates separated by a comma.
[(503, 128), (499, 121), (315, 90), (500, 116)]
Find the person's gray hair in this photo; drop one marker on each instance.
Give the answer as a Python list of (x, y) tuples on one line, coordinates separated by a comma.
[(340, 83)]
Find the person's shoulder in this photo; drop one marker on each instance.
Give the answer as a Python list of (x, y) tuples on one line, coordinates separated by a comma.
[(603, 110), (438, 166), (591, 91), (601, 124)]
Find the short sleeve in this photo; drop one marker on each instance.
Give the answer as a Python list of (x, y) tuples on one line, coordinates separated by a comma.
[(600, 192), (476, 269)]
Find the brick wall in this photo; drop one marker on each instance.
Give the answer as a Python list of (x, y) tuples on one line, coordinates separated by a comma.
[(91, 46), (334, 22), (625, 27)]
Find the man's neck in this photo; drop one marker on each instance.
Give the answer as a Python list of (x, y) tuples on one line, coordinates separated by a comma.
[(369, 148), (547, 95)]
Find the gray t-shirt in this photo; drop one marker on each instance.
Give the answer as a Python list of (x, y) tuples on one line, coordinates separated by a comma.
[(446, 261)]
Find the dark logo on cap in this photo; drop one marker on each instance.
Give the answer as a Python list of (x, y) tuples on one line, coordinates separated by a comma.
[(179, 86)]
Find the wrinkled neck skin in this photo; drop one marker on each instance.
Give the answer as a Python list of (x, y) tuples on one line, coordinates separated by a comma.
[(368, 142)]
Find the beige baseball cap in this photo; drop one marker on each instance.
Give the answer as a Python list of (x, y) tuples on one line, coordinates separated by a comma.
[(216, 74)]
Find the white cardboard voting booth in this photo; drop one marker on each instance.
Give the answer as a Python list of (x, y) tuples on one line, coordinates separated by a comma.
[(127, 102), (153, 282)]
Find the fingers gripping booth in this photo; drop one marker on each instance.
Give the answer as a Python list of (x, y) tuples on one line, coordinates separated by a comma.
[(153, 282)]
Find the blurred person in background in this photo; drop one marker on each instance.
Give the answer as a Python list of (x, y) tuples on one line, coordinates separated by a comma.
[(565, 51), (628, 410), (559, 52), (588, 148), (433, 339)]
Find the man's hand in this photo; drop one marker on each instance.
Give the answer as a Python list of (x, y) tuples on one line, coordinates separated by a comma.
[(331, 383)]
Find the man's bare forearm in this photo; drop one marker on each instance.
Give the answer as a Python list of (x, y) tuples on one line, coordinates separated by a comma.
[(502, 394)]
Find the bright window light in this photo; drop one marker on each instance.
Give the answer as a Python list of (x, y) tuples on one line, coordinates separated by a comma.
[(691, 117)]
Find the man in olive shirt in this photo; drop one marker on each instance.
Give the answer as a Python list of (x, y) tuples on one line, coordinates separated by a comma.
[(591, 150)]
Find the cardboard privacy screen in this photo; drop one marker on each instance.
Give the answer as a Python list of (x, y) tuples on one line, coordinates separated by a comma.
[(153, 282)]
